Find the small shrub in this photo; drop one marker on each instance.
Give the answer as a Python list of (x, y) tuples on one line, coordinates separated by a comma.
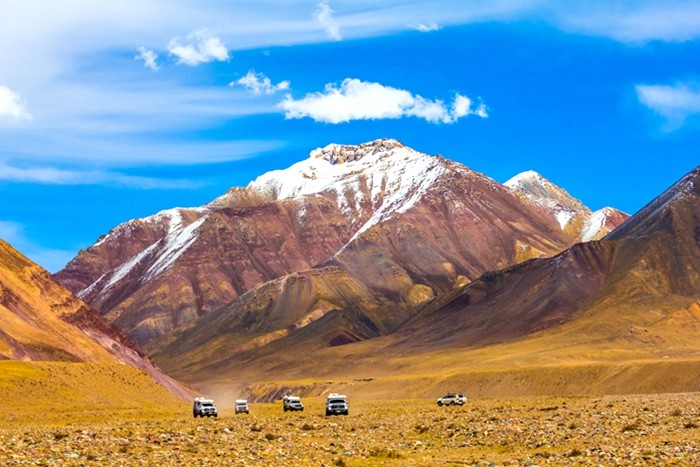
[(690, 425), (307, 427), (574, 453), (271, 436), (385, 453), (676, 413), (631, 427), (339, 462), (422, 429)]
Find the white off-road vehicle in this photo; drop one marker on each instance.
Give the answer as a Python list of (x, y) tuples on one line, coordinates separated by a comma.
[(242, 406), (292, 403), (452, 398), (204, 408), (336, 404)]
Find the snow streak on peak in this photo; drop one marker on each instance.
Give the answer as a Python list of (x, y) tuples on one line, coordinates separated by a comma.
[(595, 223), (382, 176), (337, 168), (165, 251), (545, 193), (524, 179)]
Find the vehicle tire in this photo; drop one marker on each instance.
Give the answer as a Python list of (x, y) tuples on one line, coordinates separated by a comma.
[(328, 413), (439, 403)]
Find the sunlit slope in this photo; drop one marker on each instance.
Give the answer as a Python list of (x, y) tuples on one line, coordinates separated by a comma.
[(47, 392), (34, 315), (42, 321)]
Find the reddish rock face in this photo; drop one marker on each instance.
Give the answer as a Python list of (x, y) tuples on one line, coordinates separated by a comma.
[(406, 226)]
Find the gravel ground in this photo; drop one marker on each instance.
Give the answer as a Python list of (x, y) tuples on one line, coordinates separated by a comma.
[(626, 430)]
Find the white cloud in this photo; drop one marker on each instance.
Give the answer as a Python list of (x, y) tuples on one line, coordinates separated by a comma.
[(149, 58), (259, 84), (200, 47), (674, 103), (462, 107), (324, 16), (12, 107), (362, 100), (426, 27)]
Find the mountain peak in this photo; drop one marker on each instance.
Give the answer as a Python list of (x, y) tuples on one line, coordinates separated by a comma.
[(336, 167), (342, 153), (525, 178), (681, 196)]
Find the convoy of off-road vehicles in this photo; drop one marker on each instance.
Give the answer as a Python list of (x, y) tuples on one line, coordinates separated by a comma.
[(336, 404)]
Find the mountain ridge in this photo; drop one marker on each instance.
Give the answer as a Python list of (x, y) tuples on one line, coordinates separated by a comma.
[(139, 274)]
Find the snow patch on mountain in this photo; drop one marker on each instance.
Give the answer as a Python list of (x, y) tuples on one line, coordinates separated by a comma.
[(177, 241), (594, 224), (121, 272), (564, 217), (393, 176), (543, 192)]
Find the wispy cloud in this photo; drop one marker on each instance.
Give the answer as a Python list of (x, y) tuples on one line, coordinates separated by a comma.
[(674, 103), (149, 58), (259, 84), (200, 47), (361, 100), (630, 22), (324, 16), (426, 27), (47, 175), (12, 107)]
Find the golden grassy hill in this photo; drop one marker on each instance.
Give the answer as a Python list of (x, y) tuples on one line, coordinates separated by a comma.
[(61, 392)]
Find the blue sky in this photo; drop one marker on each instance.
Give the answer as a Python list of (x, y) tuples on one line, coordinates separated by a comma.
[(115, 110)]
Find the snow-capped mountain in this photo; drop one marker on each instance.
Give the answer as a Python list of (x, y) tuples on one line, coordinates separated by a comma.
[(401, 225), (574, 218)]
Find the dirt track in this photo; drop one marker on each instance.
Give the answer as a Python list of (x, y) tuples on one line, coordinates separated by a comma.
[(626, 430)]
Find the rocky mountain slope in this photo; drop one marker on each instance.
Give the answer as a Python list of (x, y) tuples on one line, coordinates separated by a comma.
[(462, 225), (384, 223), (574, 218), (42, 321), (633, 296)]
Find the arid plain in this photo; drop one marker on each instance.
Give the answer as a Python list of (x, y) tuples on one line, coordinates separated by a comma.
[(619, 430), (123, 418)]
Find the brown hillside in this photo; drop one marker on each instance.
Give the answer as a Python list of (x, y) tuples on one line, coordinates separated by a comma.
[(42, 321)]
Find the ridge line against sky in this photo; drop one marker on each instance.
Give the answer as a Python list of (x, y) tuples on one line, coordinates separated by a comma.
[(172, 103)]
